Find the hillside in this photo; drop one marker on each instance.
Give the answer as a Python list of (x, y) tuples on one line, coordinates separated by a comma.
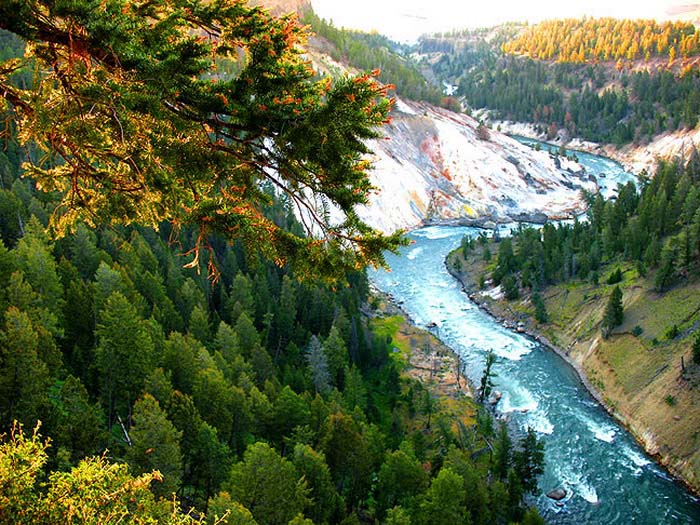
[(567, 79), (283, 7), (635, 372), (601, 80), (606, 39), (617, 294), (433, 166), (164, 358)]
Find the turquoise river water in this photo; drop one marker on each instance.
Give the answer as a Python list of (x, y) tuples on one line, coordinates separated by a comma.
[(608, 477)]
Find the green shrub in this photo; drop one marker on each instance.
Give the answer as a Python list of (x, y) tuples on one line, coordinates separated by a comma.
[(615, 277), (672, 332)]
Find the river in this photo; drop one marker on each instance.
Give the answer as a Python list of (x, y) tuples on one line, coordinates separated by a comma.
[(608, 477)]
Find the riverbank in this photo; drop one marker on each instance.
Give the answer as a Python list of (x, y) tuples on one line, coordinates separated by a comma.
[(634, 158), (631, 158), (423, 358), (633, 376)]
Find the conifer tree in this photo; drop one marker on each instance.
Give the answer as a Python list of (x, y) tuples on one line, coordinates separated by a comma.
[(155, 446), (318, 365), (529, 461), (337, 357), (240, 297), (290, 411), (215, 399), (210, 461), (503, 455), (40, 268), (199, 325), (77, 425), (24, 378), (614, 313), (401, 477), (444, 501), (124, 356), (312, 465), (487, 384), (287, 311), (355, 392), (540, 308), (268, 485), (348, 455), (182, 111), (696, 349)]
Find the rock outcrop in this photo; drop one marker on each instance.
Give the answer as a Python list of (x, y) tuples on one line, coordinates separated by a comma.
[(434, 166), (557, 494)]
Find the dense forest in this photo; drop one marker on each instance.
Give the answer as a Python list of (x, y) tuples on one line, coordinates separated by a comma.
[(258, 394), (368, 51), (141, 383), (605, 39), (656, 228), (612, 102), (604, 80)]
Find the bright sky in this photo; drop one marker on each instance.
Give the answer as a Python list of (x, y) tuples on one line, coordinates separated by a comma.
[(408, 19)]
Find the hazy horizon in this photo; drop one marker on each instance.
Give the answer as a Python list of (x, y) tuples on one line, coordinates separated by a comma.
[(406, 20)]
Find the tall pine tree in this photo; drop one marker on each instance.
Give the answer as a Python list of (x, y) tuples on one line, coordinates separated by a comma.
[(614, 313)]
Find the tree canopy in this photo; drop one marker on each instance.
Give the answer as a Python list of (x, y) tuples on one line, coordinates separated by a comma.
[(195, 112), (579, 40)]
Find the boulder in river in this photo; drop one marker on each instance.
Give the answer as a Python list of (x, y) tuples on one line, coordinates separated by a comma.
[(536, 217), (557, 494)]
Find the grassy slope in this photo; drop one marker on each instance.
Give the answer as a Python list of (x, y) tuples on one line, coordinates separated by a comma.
[(638, 376)]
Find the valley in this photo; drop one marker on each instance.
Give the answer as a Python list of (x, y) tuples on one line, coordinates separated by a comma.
[(235, 240), (604, 472)]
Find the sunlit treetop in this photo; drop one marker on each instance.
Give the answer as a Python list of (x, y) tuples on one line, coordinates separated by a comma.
[(182, 111), (607, 39)]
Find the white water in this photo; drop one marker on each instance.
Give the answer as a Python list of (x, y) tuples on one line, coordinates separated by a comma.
[(608, 478)]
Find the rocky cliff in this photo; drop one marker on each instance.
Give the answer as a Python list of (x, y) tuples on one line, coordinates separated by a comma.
[(435, 165)]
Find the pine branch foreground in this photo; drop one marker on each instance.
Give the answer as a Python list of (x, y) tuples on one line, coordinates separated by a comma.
[(181, 111)]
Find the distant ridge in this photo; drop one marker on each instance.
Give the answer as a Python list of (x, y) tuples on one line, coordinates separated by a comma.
[(283, 7), (684, 12)]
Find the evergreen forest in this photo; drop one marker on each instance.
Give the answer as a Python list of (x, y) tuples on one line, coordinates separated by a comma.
[(187, 330), (143, 383), (603, 80), (656, 228), (367, 51), (260, 397)]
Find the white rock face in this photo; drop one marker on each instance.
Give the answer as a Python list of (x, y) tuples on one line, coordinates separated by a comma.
[(432, 166), (666, 146)]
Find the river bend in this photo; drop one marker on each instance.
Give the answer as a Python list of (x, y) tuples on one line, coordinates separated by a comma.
[(608, 477)]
